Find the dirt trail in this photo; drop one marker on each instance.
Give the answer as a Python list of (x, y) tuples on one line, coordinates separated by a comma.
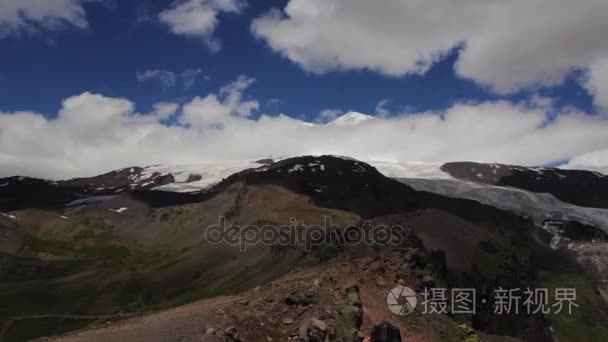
[(7, 324), (184, 323)]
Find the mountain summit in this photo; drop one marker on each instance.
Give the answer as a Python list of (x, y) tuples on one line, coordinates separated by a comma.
[(351, 118)]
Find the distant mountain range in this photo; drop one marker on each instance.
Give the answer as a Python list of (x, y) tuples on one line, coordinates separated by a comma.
[(131, 241)]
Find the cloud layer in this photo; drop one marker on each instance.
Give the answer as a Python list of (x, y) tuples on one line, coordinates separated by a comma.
[(505, 44), (93, 134), (30, 16)]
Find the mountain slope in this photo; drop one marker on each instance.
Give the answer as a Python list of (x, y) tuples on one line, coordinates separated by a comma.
[(578, 187), (140, 251)]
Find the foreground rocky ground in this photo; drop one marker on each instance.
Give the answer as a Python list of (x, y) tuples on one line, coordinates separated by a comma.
[(338, 301)]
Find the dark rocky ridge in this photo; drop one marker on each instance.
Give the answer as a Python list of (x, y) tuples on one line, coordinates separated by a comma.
[(25, 192), (134, 177), (334, 182), (578, 187)]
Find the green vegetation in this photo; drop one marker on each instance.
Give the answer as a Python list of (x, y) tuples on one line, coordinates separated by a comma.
[(471, 336), (97, 275), (37, 284), (588, 321), (27, 329), (489, 256)]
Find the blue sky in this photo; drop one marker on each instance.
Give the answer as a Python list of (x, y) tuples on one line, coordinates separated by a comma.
[(124, 38), (541, 82)]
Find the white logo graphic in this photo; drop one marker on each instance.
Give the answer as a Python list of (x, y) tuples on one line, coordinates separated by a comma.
[(401, 300)]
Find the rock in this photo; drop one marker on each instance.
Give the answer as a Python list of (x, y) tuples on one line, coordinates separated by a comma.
[(319, 324), (232, 334), (303, 328), (268, 338), (346, 322), (210, 331), (287, 321), (244, 302), (428, 281), (360, 335), (312, 330), (303, 299), (380, 281), (376, 266), (413, 256), (353, 298)]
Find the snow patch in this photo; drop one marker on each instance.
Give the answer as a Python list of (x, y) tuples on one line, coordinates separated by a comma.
[(410, 170), (89, 200), (119, 210), (351, 118), (211, 174), (295, 168)]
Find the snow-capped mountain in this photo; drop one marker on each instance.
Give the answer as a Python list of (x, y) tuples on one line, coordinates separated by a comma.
[(476, 229), (351, 118), (538, 193)]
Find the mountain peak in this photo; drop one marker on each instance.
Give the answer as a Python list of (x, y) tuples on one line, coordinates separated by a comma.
[(351, 118)]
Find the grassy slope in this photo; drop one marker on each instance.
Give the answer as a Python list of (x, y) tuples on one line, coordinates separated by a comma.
[(588, 321), (96, 272)]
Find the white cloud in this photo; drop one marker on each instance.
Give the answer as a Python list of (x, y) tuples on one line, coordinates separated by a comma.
[(597, 83), (190, 76), (595, 160), (327, 115), (93, 134), (381, 109), (218, 111), (169, 79), (30, 16), (507, 44), (198, 18), (166, 78)]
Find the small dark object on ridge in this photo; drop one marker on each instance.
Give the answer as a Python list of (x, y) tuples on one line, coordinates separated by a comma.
[(386, 332)]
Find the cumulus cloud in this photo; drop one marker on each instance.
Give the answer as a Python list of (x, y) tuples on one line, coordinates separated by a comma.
[(595, 161), (506, 45), (169, 79), (597, 82), (93, 133), (30, 16), (198, 18)]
